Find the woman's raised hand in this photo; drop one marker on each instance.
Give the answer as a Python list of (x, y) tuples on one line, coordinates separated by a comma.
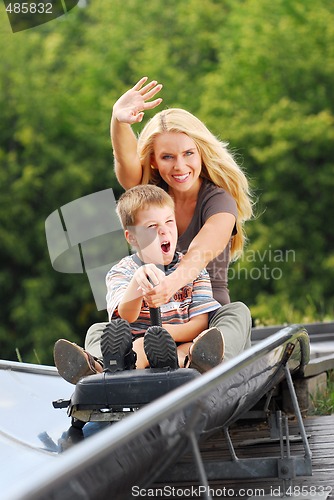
[(130, 107)]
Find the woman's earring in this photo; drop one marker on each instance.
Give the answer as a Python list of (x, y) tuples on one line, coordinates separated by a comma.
[(153, 168)]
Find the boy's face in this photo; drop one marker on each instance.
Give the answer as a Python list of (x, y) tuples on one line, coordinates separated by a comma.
[(155, 235)]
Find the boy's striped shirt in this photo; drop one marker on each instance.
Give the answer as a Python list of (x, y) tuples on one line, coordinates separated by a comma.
[(191, 300)]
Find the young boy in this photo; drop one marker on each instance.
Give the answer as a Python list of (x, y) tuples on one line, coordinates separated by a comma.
[(147, 216)]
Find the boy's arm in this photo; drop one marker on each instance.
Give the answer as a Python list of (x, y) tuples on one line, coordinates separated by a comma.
[(130, 305), (143, 280), (186, 332)]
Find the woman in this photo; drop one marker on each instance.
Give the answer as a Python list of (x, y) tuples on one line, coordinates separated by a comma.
[(176, 151)]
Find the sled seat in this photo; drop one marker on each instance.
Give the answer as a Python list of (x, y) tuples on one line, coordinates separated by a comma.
[(108, 396)]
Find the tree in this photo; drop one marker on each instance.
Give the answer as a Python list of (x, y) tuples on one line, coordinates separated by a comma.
[(260, 74), (272, 98)]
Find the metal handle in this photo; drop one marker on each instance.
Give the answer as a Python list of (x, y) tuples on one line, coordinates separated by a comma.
[(155, 315)]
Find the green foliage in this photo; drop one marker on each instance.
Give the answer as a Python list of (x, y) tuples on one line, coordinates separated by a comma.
[(259, 73), (323, 402), (272, 98)]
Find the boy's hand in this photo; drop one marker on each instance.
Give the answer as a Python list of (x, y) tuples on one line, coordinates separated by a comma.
[(147, 277), (163, 291), (130, 107)]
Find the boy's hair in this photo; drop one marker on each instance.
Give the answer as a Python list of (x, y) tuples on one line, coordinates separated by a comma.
[(139, 198)]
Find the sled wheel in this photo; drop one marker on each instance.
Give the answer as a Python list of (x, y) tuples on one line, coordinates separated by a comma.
[(77, 424)]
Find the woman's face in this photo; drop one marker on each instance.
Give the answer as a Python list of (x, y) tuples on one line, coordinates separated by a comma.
[(178, 160)]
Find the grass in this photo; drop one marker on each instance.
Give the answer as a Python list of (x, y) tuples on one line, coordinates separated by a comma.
[(324, 403), (19, 357)]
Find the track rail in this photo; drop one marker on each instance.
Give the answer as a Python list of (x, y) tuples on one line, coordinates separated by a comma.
[(318, 332)]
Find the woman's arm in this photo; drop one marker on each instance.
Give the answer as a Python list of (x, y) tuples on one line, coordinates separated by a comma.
[(186, 332), (129, 109), (127, 165), (205, 247)]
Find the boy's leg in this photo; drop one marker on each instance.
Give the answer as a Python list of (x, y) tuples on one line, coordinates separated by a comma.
[(138, 347), (116, 346), (182, 353), (160, 348), (235, 322), (93, 340)]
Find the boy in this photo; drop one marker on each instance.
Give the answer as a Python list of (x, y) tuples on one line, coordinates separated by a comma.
[(147, 216)]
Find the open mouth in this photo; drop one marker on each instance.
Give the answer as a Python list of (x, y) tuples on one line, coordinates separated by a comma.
[(165, 246)]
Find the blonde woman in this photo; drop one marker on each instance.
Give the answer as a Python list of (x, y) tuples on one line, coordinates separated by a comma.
[(177, 152)]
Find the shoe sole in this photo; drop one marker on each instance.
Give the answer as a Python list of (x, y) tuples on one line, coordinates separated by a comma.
[(116, 342), (160, 348), (208, 351), (70, 361)]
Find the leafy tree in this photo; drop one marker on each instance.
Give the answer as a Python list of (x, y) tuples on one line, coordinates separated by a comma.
[(260, 74), (272, 98)]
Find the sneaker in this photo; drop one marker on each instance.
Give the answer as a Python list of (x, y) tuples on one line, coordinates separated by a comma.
[(160, 348), (116, 346), (207, 350), (72, 361)]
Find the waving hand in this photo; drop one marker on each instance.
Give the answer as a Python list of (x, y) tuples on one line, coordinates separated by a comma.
[(130, 107)]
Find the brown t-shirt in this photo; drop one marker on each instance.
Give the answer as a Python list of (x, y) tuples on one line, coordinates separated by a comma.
[(212, 200)]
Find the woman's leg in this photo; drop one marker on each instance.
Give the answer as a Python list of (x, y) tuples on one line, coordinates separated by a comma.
[(93, 340), (73, 362), (235, 322)]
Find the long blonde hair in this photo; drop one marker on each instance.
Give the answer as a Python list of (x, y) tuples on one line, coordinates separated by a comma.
[(218, 164)]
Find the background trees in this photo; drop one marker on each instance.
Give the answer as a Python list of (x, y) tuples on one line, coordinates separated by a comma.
[(260, 74)]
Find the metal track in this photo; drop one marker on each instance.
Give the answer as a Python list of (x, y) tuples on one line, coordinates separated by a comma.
[(318, 332)]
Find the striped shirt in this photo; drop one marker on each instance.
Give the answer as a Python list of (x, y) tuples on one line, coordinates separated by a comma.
[(191, 300)]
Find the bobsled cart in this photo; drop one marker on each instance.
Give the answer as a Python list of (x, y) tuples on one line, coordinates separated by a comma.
[(112, 395)]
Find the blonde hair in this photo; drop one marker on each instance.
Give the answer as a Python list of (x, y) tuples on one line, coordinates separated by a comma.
[(139, 198), (218, 164)]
